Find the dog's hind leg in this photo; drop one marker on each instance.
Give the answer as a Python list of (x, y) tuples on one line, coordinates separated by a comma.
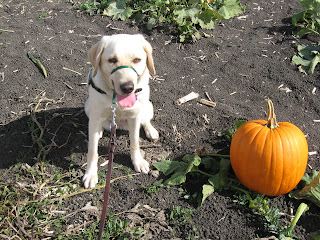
[(140, 164), (150, 131)]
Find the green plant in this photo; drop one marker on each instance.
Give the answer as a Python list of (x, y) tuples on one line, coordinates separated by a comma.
[(311, 188), (260, 205), (307, 20), (115, 228), (271, 215), (216, 172), (180, 216), (154, 188), (42, 16), (287, 232), (228, 134), (188, 16), (307, 59)]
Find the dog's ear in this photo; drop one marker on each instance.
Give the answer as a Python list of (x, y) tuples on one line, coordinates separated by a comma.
[(148, 49), (95, 54)]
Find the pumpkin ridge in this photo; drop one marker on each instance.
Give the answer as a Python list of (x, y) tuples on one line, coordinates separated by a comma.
[(289, 159), (261, 133), (266, 149), (281, 149)]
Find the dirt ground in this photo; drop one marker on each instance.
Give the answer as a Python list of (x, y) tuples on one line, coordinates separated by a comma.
[(247, 60)]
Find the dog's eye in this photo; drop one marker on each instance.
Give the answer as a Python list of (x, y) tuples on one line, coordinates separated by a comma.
[(136, 60), (112, 60)]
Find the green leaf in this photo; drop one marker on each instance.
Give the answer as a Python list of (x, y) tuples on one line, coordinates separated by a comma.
[(177, 178), (298, 17), (303, 31), (207, 190), (307, 179), (221, 180), (167, 167), (311, 5), (309, 57), (192, 159), (38, 64), (239, 123), (151, 23), (118, 10), (184, 14), (311, 191), (179, 169), (210, 164), (206, 19), (230, 9)]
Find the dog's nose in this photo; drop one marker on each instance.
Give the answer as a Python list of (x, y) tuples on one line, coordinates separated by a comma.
[(127, 87)]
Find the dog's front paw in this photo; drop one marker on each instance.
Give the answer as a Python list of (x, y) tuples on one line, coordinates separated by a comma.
[(90, 180), (141, 165)]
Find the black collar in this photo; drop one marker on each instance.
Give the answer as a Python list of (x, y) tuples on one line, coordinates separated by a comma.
[(99, 90)]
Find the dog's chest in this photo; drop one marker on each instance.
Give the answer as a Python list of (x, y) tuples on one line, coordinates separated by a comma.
[(122, 114)]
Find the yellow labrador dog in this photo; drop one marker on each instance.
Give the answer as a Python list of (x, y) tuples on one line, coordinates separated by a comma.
[(120, 71)]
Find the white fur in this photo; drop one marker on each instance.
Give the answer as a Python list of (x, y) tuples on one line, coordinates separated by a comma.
[(125, 48)]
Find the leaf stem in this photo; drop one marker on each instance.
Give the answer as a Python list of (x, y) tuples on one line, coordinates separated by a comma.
[(301, 209), (242, 190), (202, 172), (218, 155)]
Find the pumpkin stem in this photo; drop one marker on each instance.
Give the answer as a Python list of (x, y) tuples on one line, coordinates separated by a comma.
[(271, 116)]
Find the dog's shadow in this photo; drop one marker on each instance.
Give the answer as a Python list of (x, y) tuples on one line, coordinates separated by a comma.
[(58, 136)]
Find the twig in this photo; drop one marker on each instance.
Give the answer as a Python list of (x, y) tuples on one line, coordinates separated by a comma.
[(4, 30), (208, 103), (77, 228), (207, 95), (83, 190), (40, 187), (21, 228), (68, 69), (14, 229)]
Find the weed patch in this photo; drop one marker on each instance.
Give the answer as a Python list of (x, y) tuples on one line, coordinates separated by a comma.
[(190, 18)]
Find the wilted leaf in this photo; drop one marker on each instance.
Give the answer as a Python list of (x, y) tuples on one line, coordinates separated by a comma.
[(207, 190)]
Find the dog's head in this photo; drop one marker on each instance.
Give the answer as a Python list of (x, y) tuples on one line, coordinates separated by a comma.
[(122, 59)]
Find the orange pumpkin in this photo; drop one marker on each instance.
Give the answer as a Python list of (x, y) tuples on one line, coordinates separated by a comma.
[(269, 157)]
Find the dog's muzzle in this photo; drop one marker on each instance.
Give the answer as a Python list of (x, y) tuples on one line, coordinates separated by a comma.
[(124, 66)]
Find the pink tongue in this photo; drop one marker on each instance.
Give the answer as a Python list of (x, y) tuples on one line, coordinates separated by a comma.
[(126, 101)]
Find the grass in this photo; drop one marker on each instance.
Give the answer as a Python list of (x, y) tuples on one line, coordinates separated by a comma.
[(34, 200), (181, 217)]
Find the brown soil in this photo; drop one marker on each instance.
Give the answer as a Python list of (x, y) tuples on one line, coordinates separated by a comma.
[(247, 60)]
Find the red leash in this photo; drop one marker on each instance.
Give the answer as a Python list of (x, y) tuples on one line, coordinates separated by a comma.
[(112, 144)]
